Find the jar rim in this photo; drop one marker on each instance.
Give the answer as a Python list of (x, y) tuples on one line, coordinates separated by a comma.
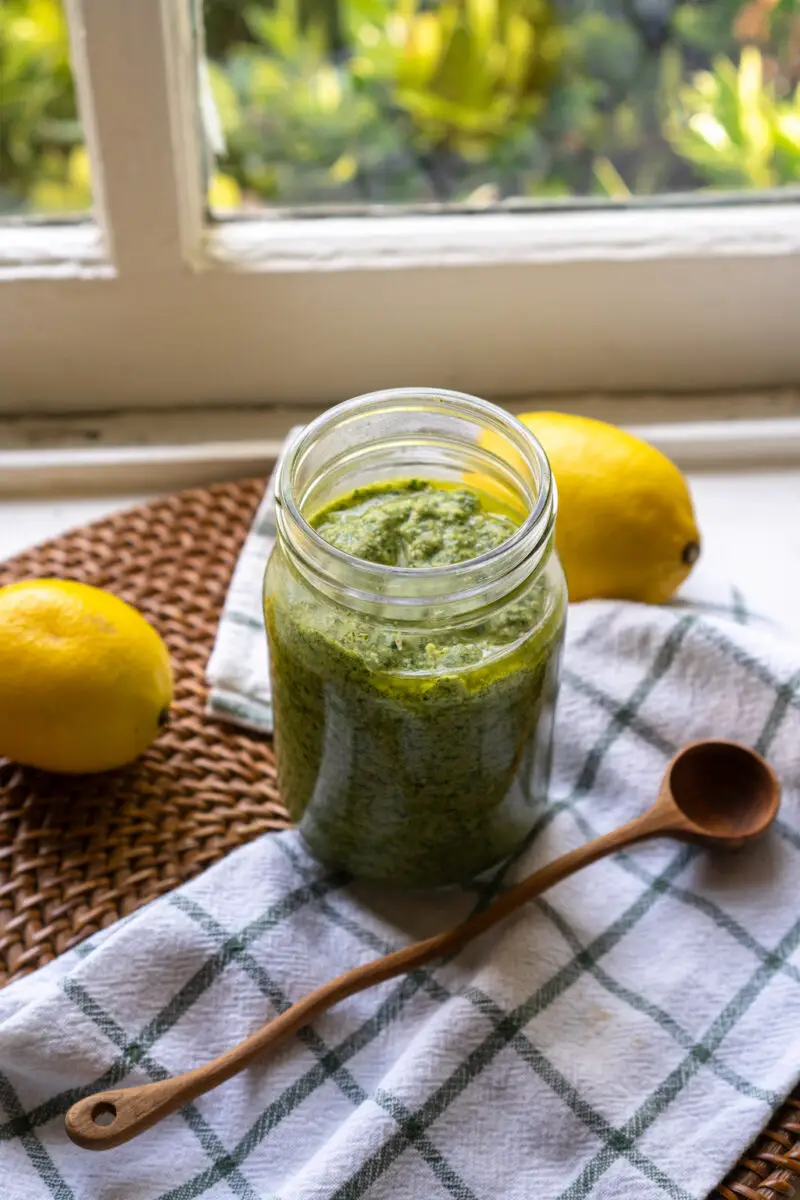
[(366, 580)]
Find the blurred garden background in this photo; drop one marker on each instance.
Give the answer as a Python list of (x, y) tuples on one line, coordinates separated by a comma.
[(363, 102)]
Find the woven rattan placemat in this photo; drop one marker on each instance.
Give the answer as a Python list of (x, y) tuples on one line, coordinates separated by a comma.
[(77, 854)]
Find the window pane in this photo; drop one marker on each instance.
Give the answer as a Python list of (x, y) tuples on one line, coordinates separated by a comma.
[(359, 102), (44, 167)]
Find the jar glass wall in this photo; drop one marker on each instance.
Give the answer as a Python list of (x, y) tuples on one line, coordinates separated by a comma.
[(413, 706)]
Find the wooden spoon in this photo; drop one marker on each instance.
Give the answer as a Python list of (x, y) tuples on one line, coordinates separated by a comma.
[(717, 793)]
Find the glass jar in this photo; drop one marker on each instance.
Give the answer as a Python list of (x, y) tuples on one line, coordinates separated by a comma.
[(422, 775)]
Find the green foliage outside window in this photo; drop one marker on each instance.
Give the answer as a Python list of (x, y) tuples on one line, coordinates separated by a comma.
[(383, 101), (43, 163)]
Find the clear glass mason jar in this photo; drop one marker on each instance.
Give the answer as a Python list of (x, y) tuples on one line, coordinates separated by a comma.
[(426, 776)]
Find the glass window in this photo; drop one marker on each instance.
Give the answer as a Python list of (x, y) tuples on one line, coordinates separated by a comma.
[(44, 167), (449, 102)]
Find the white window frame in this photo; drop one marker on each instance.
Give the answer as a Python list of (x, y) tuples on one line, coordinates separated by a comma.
[(150, 305)]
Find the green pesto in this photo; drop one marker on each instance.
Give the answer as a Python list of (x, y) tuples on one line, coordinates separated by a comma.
[(412, 523), (420, 756)]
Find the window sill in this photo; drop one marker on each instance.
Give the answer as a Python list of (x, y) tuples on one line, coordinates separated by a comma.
[(164, 450)]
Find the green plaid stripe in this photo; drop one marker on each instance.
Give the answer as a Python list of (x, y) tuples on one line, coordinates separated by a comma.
[(342, 921), (771, 962), (334, 1070), (697, 1057), (654, 1012), (613, 1138), (422, 979), (329, 1060), (84, 949), (635, 724), (787, 832), (190, 1113), (740, 613), (297, 1093), (23, 1123), (633, 999), (737, 609), (248, 711), (625, 714), (787, 695), (784, 694), (515, 1021), (524, 1047), (624, 717), (502, 1035), (414, 1134), (37, 1154), (245, 620), (265, 527), (787, 692), (737, 654), (390, 1010), (619, 1142), (720, 918)]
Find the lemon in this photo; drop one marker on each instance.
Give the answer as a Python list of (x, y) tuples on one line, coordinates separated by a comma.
[(626, 527), (87, 681)]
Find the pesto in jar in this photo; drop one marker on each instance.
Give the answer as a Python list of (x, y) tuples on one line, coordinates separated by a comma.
[(417, 755)]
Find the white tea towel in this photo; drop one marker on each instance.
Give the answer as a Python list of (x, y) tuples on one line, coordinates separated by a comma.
[(625, 1038), (238, 669)]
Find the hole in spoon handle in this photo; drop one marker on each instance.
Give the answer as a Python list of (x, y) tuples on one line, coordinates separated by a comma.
[(108, 1119)]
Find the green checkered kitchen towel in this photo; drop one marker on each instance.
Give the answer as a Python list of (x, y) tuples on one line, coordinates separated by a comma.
[(625, 1038)]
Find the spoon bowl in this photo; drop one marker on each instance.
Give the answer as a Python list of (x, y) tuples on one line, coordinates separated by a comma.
[(717, 793), (725, 790)]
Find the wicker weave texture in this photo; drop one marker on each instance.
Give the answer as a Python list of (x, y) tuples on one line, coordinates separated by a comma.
[(770, 1170), (77, 854)]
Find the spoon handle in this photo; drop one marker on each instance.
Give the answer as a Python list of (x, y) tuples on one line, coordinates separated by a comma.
[(110, 1118)]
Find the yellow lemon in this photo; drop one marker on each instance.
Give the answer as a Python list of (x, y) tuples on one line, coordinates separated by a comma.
[(87, 682), (626, 527)]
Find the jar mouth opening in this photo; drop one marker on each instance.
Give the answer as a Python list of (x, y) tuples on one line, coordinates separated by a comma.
[(527, 538)]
